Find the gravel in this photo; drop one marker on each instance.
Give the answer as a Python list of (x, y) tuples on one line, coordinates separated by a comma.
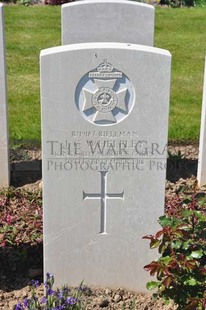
[(93, 299)]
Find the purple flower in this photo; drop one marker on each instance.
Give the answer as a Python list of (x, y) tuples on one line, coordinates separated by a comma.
[(49, 275), (19, 307), (44, 300), (46, 284), (35, 283), (81, 288), (26, 302), (49, 280), (50, 291), (71, 301), (65, 291), (60, 294)]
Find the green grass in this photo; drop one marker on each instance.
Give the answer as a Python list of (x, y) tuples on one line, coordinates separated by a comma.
[(182, 32), (30, 29)]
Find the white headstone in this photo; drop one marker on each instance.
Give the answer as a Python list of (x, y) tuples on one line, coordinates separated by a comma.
[(107, 21), (4, 158), (104, 132), (201, 171)]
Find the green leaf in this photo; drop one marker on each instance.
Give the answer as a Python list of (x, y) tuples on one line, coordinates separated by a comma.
[(201, 216), (162, 248), (152, 285), (186, 213), (154, 244), (165, 221), (15, 230), (165, 259), (191, 281), (176, 244), (187, 201), (181, 189), (186, 245), (197, 254), (166, 300)]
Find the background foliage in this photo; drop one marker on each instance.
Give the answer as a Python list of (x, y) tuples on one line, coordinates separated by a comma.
[(180, 270), (33, 28)]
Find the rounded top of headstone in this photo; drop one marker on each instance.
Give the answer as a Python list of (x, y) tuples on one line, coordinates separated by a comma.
[(81, 2)]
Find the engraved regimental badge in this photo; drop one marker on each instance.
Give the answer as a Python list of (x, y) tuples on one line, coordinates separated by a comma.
[(104, 96)]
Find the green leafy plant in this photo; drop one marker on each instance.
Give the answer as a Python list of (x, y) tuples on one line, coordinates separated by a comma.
[(26, 2), (181, 268), (175, 157), (200, 3), (57, 2), (178, 3), (9, 1)]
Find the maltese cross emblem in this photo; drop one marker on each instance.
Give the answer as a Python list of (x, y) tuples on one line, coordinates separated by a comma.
[(106, 96)]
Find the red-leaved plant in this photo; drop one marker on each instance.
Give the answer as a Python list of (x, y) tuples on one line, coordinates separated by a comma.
[(181, 268)]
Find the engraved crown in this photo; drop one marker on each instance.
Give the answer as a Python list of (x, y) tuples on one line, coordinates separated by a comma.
[(105, 67)]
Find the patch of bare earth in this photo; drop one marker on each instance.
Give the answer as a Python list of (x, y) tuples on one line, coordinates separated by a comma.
[(22, 261)]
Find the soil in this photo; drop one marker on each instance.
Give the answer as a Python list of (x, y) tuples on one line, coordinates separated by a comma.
[(17, 271)]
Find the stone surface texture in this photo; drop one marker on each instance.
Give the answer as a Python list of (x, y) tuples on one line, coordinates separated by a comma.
[(201, 172), (4, 162), (96, 174), (107, 21)]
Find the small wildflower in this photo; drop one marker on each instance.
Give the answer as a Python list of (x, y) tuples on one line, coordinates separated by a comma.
[(60, 294), (81, 288), (49, 275), (65, 290), (26, 302), (71, 301), (50, 292), (19, 307), (54, 300), (46, 284), (35, 283), (43, 300)]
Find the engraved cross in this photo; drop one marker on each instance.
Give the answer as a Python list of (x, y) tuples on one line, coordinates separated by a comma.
[(103, 196)]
